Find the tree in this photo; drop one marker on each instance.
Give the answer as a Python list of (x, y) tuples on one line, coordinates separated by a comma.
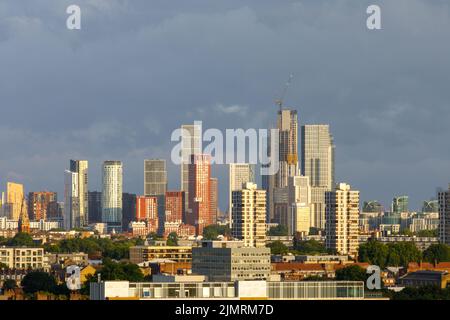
[(351, 273), (427, 233), (309, 247), (3, 266), (373, 252), (278, 247), (211, 232), (39, 281), (401, 253), (437, 253), (120, 271), (279, 230), (9, 284), (21, 239), (406, 232), (172, 239)]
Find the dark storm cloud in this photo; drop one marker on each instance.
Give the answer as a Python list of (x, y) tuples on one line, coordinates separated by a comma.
[(138, 69)]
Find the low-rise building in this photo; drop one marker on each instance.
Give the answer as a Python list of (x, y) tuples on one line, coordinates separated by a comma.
[(23, 257), (140, 254), (230, 261), (238, 290), (425, 278)]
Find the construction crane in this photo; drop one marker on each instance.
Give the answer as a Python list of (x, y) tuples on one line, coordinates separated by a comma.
[(280, 101)]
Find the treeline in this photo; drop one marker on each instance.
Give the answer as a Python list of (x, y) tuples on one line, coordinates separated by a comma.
[(105, 248), (401, 253), (300, 247)]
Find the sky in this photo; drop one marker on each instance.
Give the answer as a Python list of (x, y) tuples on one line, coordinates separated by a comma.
[(138, 69)]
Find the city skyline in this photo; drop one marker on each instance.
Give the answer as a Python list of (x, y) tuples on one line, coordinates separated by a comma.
[(387, 113)]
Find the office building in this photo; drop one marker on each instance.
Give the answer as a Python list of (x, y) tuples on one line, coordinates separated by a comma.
[(287, 124), (342, 214), (128, 209), (213, 200), (299, 210), (231, 261), (40, 205), (430, 206), (239, 173), (81, 167), (95, 206), (249, 215), (399, 205), (372, 206), (444, 216), (71, 200), (317, 163), (175, 207), (199, 213), (147, 210), (112, 195), (155, 184), (139, 254), (191, 144), (15, 200), (238, 290)]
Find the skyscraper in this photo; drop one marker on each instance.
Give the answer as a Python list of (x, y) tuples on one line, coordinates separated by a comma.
[(199, 213), (399, 204), (112, 195), (299, 210), (128, 209), (81, 167), (40, 203), (275, 185), (317, 163), (174, 206), (71, 200), (15, 199), (95, 206), (249, 215), (155, 184), (213, 200), (191, 142), (444, 216), (239, 173), (342, 214), (147, 210), (287, 124)]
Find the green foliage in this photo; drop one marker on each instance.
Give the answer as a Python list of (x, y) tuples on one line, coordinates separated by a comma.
[(120, 271), (422, 293), (392, 254), (427, 233), (401, 253), (406, 232), (9, 284), (3, 266), (39, 281), (351, 273), (110, 248), (309, 247), (277, 247), (279, 230), (21, 239), (211, 232), (437, 253), (172, 239), (374, 252)]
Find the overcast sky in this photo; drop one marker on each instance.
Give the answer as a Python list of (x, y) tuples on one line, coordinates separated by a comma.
[(138, 69)]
